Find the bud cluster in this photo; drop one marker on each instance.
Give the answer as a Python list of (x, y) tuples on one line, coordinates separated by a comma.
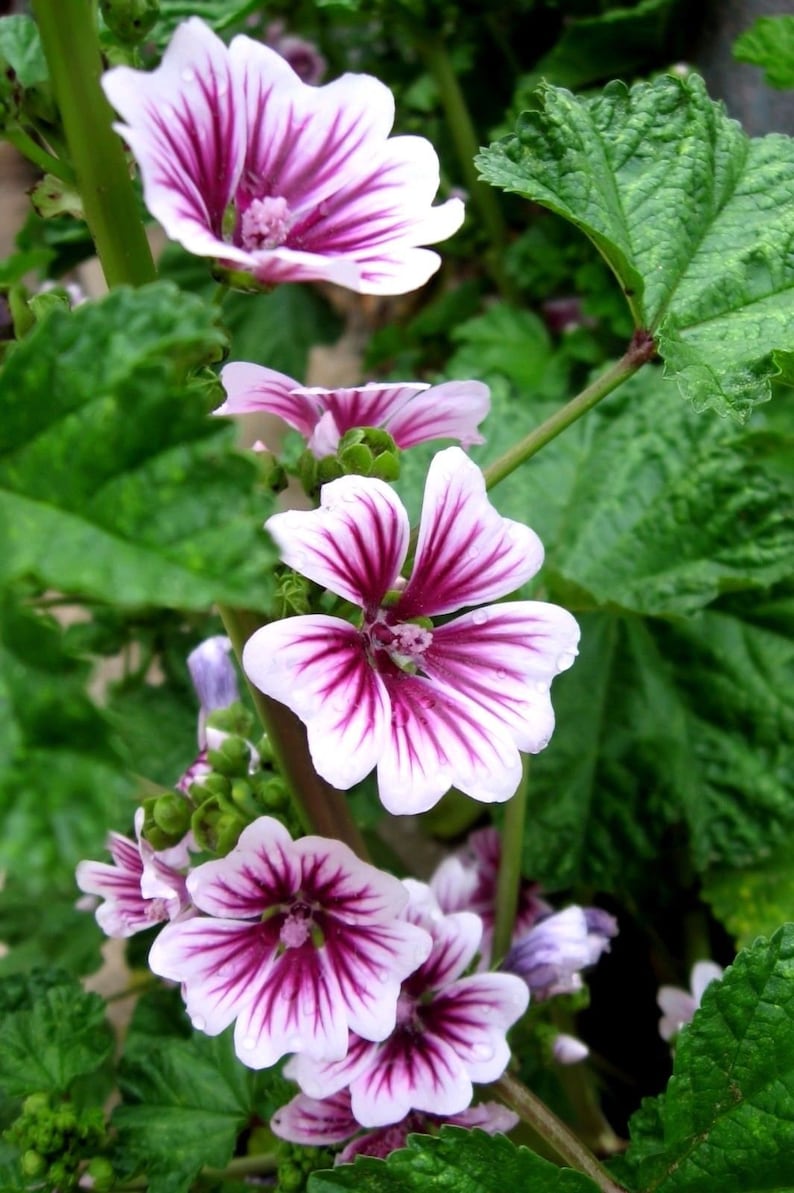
[(362, 451), (58, 1145)]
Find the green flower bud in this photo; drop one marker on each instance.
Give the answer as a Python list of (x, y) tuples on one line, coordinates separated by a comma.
[(232, 758), (265, 750), (307, 472), (216, 829), (217, 785), (328, 469), (290, 1178), (386, 466), (36, 1104), (33, 1164), (356, 460), (171, 814), (235, 719), (243, 798), (130, 20), (101, 1174)]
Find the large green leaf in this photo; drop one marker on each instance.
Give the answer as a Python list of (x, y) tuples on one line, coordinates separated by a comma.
[(114, 481), (693, 217), (466, 1161), (185, 1103), (726, 1121), (769, 43), (753, 901)]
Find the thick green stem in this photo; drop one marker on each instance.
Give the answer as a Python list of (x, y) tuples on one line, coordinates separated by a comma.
[(467, 146), (640, 351), (509, 880), (71, 46), (559, 1137), (322, 808), (40, 157), (237, 1169)]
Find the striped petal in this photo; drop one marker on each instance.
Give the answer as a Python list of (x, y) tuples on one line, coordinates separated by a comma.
[(251, 388)]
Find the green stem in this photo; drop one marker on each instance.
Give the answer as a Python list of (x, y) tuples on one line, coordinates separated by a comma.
[(40, 157), (640, 351), (71, 47), (240, 1166), (559, 1137), (322, 808), (467, 147), (509, 880)]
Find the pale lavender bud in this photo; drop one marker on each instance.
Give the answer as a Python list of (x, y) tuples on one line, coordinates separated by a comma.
[(552, 954), (303, 56), (568, 1050), (213, 674)]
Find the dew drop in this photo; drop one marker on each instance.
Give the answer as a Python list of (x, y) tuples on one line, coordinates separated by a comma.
[(482, 1051), (479, 617), (199, 1022), (188, 75), (248, 1043), (501, 673)]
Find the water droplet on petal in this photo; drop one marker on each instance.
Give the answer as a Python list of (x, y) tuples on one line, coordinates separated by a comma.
[(248, 1043), (199, 1022), (501, 673), (479, 617), (188, 75), (295, 1043), (482, 1052)]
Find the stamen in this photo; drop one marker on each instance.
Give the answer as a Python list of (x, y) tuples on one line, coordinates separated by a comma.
[(265, 223)]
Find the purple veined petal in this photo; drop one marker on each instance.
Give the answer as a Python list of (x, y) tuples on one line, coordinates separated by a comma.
[(283, 264), (220, 963), (304, 142), (488, 1116), (677, 1007), (251, 388), (467, 553), (454, 885), (410, 1073), (703, 974), (354, 544), (472, 1016), (317, 666), (185, 122), (372, 405), (456, 937), (315, 1121), (504, 658), (325, 1079), (452, 410), (124, 911), (325, 438), (359, 894), (439, 740), (258, 873)]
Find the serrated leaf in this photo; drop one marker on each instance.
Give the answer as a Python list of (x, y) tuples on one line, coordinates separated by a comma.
[(693, 217), (64, 1035), (769, 43), (34, 925), (466, 1161), (726, 1121), (185, 1103), (114, 481), (755, 900)]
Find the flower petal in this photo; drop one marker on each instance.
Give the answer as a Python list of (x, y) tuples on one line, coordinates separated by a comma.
[(439, 740), (372, 405), (315, 1121), (258, 873), (467, 553), (354, 544), (185, 122), (251, 388), (317, 666), (453, 410), (703, 974), (472, 1016), (406, 1073), (504, 658)]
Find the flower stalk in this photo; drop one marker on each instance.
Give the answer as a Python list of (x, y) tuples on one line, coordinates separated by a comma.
[(640, 351), (509, 878), (71, 47)]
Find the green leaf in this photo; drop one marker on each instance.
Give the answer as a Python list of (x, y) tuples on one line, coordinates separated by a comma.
[(466, 1161), (20, 46), (692, 216), (114, 481), (769, 43), (726, 1121), (185, 1103), (755, 900), (34, 925), (64, 1035), (512, 343)]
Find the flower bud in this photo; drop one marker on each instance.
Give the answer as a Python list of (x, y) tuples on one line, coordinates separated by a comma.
[(232, 758), (33, 1164), (172, 813), (99, 1175), (356, 460)]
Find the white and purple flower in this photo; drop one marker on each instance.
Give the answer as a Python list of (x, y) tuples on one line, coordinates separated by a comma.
[(431, 705), (551, 956), (450, 1030), (322, 1123), (215, 682), (678, 1006), (412, 413), (244, 162), (141, 887), (301, 943)]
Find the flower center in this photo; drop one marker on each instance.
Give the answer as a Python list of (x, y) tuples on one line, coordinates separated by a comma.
[(297, 926), (265, 223), (406, 643)]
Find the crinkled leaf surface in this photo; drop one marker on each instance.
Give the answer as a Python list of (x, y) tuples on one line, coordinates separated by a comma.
[(769, 43), (64, 1035), (694, 218), (463, 1161), (185, 1103), (726, 1121), (114, 481), (753, 901)]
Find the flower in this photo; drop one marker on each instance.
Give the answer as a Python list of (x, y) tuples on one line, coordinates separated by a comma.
[(301, 942), (303, 56), (551, 955), (142, 887), (320, 1123), (467, 881), (450, 1030), (410, 412), (568, 1050), (432, 706), (678, 1006), (215, 682), (244, 162)]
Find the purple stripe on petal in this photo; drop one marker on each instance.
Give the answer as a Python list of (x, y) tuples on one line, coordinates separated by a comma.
[(453, 410), (467, 553), (410, 1072), (314, 1121), (251, 388)]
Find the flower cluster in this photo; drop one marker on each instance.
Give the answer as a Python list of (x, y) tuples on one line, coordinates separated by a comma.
[(243, 162)]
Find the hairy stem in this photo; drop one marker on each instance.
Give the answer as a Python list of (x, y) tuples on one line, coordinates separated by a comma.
[(555, 1133), (71, 46), (509, 880), (639, 352), (322, 808)]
